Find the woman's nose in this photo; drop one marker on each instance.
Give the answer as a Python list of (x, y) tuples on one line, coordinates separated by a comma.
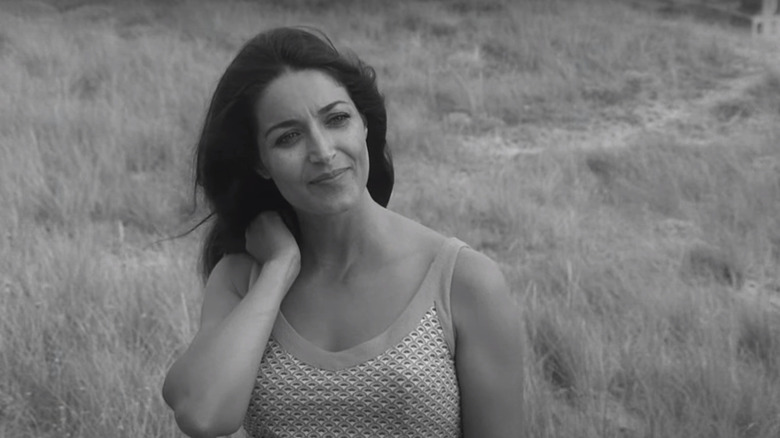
[(321, 148)]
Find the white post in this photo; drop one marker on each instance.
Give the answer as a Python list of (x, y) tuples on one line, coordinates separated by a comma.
[(767, 23)]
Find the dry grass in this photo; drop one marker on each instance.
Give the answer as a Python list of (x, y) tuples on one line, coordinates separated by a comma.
[(647, 268)]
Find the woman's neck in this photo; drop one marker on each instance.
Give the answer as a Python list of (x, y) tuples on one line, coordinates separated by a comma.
[(334, 244)]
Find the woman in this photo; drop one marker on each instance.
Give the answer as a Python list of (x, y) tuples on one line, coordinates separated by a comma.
[(326, 314)]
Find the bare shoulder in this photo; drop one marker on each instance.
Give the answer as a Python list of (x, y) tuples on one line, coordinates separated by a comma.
[(411, 236), (477, 280), (475, 275), (480, 296)]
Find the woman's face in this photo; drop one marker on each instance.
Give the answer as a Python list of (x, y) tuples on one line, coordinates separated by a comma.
[(312, 142)]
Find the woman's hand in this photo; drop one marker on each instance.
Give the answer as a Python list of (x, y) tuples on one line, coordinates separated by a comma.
[(269, 239)]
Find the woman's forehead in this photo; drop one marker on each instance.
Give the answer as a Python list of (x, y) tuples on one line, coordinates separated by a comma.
[(299, 93)]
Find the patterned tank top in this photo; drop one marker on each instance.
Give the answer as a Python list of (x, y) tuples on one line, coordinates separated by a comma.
[(401, 383)]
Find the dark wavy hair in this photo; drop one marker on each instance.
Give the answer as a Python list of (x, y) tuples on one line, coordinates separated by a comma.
[(227, 152)]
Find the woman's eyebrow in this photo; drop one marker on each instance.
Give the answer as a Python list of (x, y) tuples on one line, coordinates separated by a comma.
[(279, 125), (291, 122), (329, 106)]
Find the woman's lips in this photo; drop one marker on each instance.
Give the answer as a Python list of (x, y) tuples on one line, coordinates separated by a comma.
[(329, 176)]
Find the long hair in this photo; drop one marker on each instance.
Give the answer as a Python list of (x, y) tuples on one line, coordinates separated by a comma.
[(227, 152)]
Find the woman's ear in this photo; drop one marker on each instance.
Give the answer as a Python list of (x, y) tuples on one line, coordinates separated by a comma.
[(261, 170), (365, 124)]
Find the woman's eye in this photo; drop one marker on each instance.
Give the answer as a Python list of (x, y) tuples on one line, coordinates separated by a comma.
[(338, 119), (286, 138)]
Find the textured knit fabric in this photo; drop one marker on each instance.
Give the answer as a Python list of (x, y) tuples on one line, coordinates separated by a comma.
[(401, 383)]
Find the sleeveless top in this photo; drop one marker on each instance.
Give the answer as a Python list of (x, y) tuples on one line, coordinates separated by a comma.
[(401, 383)]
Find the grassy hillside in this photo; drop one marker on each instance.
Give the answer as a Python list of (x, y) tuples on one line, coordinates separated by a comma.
[(622, 167)]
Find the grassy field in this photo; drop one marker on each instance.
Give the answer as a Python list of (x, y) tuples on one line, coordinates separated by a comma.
[(622, 167)]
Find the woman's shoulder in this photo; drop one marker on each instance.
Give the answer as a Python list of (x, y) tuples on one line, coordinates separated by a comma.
[(473, 270), (476, 273), (478, 288), (414, 234), (483, 308), (422, 236)]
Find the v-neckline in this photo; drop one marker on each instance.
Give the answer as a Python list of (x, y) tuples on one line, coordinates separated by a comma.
[(309, 352)]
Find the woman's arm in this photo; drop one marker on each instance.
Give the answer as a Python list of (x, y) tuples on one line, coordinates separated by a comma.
[(210, 385), (490, 349)]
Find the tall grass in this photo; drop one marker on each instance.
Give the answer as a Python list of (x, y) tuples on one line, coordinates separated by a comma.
[(633, 261)]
